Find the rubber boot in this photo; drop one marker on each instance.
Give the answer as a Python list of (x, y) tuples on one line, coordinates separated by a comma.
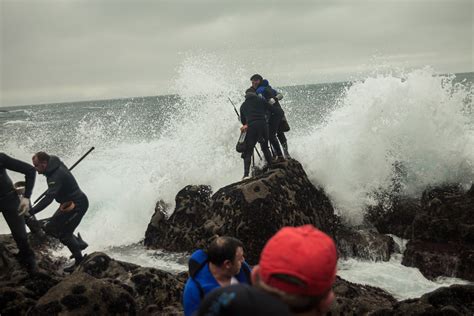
[(82, 244), (73, 245)]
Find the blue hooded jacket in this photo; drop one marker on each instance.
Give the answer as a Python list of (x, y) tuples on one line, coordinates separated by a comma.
[(266, 91), (201, 281)]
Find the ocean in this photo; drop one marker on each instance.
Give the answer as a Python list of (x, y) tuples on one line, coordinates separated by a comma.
[(347, 135)]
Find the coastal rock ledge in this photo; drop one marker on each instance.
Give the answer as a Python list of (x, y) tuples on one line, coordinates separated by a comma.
[(255, 209)]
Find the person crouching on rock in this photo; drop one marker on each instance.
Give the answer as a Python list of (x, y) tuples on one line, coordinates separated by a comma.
[(221, 265), (62, 187), (253, 117)]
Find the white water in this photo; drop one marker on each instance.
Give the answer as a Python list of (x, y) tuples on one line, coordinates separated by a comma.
[(420, 121)]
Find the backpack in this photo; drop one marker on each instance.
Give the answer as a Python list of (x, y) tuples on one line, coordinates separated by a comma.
[(195, 266)]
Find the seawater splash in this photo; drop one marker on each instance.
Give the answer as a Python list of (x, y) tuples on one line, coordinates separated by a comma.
[(150, 148), (420, 121), (145, 150)]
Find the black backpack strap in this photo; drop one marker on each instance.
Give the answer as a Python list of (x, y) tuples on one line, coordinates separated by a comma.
[(247, 272), (201, 290), (194, 267)]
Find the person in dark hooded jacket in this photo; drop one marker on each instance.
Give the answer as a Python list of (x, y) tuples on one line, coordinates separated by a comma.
[(11, 205), (62, 187), (253, 117), (265, 91)]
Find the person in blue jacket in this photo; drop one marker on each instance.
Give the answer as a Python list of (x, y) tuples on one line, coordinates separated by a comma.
[(222, 264), (265, 91)]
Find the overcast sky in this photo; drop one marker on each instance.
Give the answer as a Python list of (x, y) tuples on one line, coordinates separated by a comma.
[(64, 50)]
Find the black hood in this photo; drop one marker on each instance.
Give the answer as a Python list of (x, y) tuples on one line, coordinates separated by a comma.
[(53, 164)]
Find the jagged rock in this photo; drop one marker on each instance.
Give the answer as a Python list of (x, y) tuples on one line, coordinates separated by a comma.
[(443, 234), (20, 292), (356, 299), (82, 294), (18, 289), (365, 244), (251, 210), (440, 259), (448, 216), (177, 232), (453, 300), (394, 215), (148, 286), (15, 301)]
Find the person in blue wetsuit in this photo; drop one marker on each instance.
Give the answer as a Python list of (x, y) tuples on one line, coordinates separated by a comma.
[(222, 264)]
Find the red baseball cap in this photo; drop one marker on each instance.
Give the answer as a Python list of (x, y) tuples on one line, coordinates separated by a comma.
[(299, 260)]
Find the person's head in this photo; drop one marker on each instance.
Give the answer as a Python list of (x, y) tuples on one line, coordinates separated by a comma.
[(256, 80), (241, 299), (250, 92), (298, 265), (227, 253), (40, 161)]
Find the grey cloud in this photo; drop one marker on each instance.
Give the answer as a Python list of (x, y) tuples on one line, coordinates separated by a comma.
[(69, 50)]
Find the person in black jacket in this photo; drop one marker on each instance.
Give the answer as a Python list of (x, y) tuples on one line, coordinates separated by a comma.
[(11, 205), (63, 188), (265, 91), (252, 116)]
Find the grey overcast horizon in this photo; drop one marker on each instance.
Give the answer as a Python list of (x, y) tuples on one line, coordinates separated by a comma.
[(64, 51)]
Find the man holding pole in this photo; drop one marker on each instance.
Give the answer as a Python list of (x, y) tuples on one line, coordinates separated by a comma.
[(252, 116), (63, 188)]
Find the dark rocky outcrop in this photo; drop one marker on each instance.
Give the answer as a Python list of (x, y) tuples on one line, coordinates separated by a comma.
[(254, 210), (357, 299), (439, 226), (100, 286), (178, 233), (82, 294), (394, 215), (443, 234), (453, 300), (148, 286), (364, 243)]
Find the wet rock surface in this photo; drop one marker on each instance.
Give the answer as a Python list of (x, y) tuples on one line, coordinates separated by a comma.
[(255, 209)]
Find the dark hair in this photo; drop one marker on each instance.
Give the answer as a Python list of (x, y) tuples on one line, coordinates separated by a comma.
[(42, 156), (256, 77), (222, 249)]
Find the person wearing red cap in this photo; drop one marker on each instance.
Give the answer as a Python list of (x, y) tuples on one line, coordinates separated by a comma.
[(298, 265)]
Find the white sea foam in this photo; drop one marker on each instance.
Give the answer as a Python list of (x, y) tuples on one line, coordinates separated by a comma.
[(421, 121)]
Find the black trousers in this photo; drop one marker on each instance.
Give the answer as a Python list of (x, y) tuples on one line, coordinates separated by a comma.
[(9, 208), (257, 132), (62, 225), (274, 124)]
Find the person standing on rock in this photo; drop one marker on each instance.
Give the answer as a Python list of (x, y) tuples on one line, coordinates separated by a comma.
[(63, 187), (298, 265), (221, 265), (11, 205), (277, 119), (252, 116)]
